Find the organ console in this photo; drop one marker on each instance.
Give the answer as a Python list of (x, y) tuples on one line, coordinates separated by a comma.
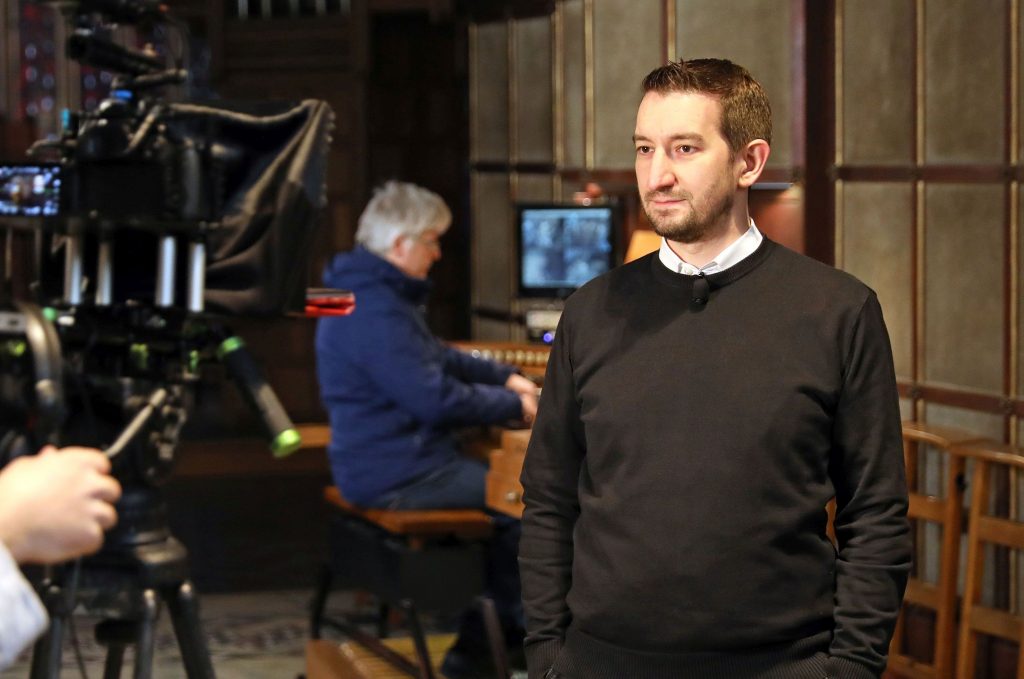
[(504, 492), (505, 449), (530, 359)]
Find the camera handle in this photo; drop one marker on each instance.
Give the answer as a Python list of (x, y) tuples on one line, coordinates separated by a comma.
[(155, 401), (284, 438)]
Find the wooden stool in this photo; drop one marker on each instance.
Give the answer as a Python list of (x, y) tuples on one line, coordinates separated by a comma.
[(986, 529), (946, 511), (414, 560)]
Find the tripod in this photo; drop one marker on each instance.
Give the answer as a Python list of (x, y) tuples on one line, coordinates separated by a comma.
[(140, 566), (126, 585)]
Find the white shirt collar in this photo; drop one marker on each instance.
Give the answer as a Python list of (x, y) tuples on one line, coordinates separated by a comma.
[(735, 253)]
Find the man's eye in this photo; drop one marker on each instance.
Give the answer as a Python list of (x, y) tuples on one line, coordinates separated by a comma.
[(643, 149), (685, 148)]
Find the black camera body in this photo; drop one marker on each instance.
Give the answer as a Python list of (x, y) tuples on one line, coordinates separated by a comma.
[(127, 167)]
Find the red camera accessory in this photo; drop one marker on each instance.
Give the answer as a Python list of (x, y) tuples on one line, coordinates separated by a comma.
[(329, 302)]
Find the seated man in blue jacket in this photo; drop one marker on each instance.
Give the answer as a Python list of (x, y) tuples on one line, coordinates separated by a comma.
[(395, 394)]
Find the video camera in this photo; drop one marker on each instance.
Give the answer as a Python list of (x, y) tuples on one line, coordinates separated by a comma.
[(150, 220)]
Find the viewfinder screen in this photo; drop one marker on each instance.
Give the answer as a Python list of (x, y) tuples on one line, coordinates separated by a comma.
[(30, 190)]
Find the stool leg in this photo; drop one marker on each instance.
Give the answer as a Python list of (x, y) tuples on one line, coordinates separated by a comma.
[(319, 602), (495, 637), (426, 668), (383, 611)]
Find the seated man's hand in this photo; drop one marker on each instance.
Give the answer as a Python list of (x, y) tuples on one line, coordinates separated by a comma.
[(521, 385), (528, 392), (529, 402), (54, 506)]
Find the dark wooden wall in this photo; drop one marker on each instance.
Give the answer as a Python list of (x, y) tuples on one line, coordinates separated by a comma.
[(417, 132), (397, 83)]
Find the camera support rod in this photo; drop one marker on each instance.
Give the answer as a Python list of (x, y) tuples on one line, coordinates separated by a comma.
[(196, 275), (73, 269), (105, 272), (166, 255)]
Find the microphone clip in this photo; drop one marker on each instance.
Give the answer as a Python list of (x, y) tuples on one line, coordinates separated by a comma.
[(701, 290)]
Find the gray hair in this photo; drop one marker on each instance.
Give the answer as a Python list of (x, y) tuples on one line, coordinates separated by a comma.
[(400, 209)]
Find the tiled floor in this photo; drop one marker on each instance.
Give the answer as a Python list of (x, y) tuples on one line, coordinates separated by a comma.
[(251, 636), (258, 635)]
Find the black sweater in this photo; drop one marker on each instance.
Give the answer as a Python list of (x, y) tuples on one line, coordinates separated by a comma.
[(678, 473)]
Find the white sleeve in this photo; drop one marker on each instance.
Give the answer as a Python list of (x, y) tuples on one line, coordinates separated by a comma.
[(22, 616)]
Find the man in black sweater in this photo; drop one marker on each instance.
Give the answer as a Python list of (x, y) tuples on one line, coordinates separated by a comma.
[(701, 406)]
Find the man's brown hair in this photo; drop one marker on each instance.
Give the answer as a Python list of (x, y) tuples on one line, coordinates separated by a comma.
[(746, 113)]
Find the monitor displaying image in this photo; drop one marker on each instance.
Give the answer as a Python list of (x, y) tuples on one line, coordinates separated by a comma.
[(29, 190), (561, 247)]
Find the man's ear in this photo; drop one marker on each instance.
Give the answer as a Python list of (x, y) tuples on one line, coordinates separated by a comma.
[(396, 253), (400, 243), (751, 161)]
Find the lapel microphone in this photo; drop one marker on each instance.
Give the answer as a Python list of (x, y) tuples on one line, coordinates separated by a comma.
[(701, 290)]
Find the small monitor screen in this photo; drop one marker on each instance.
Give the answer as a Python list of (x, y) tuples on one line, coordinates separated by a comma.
[(29, 190), (563, 247)]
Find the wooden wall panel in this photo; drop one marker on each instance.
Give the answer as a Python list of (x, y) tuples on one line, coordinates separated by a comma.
[(297, 59), (621, 28), (10, 58), (489, 92), (1019, 146), (878, 85), (534, 188), (756, 34), (573, 85), (492, 243), (569, 187), (965, 79), (877, 249), (964, 293), (533, 90)]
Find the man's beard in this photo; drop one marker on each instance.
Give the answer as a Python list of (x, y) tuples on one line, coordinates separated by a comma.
[(696, 224)]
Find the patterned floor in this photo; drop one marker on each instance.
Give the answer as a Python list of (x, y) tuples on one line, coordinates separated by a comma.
[(251, 636)]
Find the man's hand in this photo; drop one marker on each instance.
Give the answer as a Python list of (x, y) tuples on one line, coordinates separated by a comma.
[(529, 402), (527, 391), (54, 506), (521, 385)]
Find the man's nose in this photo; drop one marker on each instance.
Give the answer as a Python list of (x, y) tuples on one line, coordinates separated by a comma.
[(660, 174)]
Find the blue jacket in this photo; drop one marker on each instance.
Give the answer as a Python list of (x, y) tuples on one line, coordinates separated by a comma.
[(392, 390)]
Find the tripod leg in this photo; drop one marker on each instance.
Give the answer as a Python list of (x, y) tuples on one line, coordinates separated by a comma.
[(147, 633), (184, 608), (116, 635), (47, 651), (114, 662)]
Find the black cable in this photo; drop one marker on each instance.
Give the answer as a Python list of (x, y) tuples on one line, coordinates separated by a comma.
[(69, 603)]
